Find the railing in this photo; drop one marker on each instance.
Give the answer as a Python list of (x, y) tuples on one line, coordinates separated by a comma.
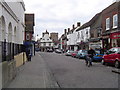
[(9, 50)]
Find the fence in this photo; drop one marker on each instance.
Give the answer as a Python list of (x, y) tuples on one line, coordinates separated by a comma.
[(9, 50)]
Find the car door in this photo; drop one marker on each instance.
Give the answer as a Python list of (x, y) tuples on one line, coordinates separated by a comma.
[(113, 55)]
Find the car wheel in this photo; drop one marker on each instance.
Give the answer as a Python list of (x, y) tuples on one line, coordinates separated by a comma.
[(103, 62), (117, 65)]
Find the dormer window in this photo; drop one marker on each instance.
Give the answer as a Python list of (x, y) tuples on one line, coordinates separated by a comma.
[(107, 23), (115, 21)]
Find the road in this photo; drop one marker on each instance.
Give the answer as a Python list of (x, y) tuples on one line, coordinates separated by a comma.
[(72, 73)]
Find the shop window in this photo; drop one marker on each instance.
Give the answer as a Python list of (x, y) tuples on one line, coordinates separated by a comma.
[(49, 44), (115, 21), (44, 44), (107, 23), (27, 36)]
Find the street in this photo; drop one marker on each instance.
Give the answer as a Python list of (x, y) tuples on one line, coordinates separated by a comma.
[(72, 73)]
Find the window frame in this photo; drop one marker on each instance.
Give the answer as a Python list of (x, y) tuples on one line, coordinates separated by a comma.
[(115, 21), (108, 23)]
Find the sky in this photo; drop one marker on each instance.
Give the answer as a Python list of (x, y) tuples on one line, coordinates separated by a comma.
[(57, 15)]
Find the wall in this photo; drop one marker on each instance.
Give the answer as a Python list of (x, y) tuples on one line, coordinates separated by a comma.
[(20, 59), (15, 16)]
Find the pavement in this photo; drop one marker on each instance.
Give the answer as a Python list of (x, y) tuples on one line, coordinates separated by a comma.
[(34, 74)]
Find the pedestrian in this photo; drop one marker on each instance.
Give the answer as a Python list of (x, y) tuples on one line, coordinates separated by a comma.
[(89, 57), (28, 54)]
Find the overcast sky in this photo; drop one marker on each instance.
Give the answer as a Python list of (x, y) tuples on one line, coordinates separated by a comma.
[(57, 15)]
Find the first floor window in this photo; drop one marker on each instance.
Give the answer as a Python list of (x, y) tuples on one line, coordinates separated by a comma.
[(115, 21), (107, 23)]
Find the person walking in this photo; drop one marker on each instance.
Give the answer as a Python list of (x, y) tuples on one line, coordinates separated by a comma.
[(28, 54), (89, 57)]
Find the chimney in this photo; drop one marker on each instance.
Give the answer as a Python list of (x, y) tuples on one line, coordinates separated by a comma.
[(78, 24), (73, 26), (68, 29), (65, 31)]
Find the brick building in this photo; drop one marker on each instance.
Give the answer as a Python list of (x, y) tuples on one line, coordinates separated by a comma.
[(111, 26), (29, 31)]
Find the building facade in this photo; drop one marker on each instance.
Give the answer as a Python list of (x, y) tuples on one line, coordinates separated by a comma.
[(111, 26), (11, 29), (29, 43), (83, 35), (72, 38), (54, 38), (45, 42), (95, 40)]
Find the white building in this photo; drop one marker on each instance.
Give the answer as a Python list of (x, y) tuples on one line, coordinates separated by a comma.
[(11, 24), (83, 36), (45, 42), (72, 38)]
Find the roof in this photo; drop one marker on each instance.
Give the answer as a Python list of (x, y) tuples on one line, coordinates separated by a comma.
[(90, 22)]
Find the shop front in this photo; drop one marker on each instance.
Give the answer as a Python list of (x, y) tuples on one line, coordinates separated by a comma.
[(115, 38), (95, 45), (106, 42)]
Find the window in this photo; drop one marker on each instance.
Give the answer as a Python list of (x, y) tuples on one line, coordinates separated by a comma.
[(49, 44), (27, 36), (44, 44), (82, 35), (99, 33), (107, 23), (115, 21)]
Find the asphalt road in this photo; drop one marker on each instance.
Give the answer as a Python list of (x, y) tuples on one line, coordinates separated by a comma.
[(72, 73)]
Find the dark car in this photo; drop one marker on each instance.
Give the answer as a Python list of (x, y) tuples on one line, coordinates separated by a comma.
[(37, 49), (112, 57), (50, 50)]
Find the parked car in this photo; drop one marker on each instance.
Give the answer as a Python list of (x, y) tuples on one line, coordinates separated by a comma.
[(58, 51), (50, 50), (98, 56), (81, 54), (37, 49), (69, 53), (112, 57), (74, 54)]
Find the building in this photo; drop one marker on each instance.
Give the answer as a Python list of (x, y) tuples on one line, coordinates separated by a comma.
[(54, 37), (72, 37), (83, 36), (45, 42), (95, 40), (111, 25), (29, 42), (11, 29)]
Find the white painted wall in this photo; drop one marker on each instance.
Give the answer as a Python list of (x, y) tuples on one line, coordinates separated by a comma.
[(46, 39), (83, 35), (13, 12)]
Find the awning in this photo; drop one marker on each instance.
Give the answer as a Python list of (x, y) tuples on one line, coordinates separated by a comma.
[(115, 35)]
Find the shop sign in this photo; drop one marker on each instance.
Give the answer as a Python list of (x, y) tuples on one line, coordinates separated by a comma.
[(115, 35), (104, 37)]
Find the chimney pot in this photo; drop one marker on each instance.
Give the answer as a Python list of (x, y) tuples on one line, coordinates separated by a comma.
[(73, 26), (68, 29), (65, 31), (78, 24)]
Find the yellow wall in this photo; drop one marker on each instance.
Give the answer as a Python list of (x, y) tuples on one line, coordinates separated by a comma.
[(20, 59)]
